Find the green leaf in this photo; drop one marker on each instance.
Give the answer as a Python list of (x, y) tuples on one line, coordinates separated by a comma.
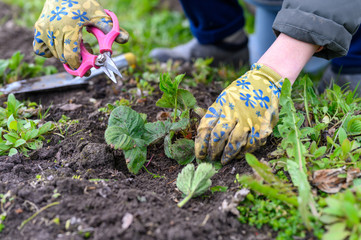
[(12, 123), (335, 207), (135, 158), (10, 138), (186, 99), (19, 142), (165, 102), (336, 231), (15, 60), (13, 151), (273, 187), (185, 179), (4, 147), (351, 213), (320, 151), (119, 138), (128, 119), (47, 127), (37, 144), (182, 150), (342, 135), (182, 124), (195, 183), (31, 134), (346, 146), (219, 189), (305, 199), (167, 144), (155, 131), (13, 105)]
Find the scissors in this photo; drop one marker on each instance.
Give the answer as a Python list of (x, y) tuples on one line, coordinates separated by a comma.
[(103, 60)]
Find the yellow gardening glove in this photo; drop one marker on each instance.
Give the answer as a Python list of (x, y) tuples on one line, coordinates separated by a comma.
[(242, 117), (58, 29)]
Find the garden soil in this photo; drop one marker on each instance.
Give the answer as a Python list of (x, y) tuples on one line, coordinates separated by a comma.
[(81, 188)]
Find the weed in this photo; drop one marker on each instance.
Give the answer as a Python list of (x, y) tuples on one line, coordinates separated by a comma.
[(19, 134), (4, 199), (63, 125), (13, 68)]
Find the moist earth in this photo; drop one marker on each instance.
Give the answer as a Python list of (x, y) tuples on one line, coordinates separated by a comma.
[(84, 185)]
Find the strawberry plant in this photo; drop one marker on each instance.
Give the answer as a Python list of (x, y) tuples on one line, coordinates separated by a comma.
[(193, 183), (129, 131)]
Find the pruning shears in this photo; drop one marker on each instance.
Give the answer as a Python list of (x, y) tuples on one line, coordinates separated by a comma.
[(103, 60)]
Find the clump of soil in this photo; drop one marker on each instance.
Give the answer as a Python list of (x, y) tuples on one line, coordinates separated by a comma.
[(93, 193)]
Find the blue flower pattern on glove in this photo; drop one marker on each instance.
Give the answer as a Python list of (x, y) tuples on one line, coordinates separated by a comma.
[(254, 135), (37, 34), (233, 149), (276, 91), (69, 2), (216, 115), (62, 59), (218, 137), (247, 99), (37, 52), (220, 99), (80, 15), (76, 47), (262, 99), (243, 84), (51, 37), (57, 13)]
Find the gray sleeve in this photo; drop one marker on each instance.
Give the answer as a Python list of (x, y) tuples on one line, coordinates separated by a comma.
[(328, 23)]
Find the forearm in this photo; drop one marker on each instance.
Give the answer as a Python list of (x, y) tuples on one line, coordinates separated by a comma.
[(287, 56)]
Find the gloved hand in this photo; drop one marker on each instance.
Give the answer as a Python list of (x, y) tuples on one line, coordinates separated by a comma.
[(242, 117), (58, 29)]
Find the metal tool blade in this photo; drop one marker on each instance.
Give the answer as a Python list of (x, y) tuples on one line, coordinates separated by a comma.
[(109, 73), (109, 63), (58, 81)]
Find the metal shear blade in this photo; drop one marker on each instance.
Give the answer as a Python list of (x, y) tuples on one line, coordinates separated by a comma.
[(109, 63)]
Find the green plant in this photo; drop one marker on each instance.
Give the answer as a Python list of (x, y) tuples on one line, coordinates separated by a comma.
[(4, 198), (193, 183), (181, 100), (174, 97), (63, 125), (13, 68), (342, 215), (202, 71), (128, 130), (257, 210), (20, 134)]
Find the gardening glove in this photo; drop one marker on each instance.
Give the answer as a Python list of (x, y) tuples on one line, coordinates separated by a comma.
[(58, 31), (242, 117)]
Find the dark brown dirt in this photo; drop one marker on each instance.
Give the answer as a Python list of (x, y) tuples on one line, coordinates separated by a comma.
[(121, 205)]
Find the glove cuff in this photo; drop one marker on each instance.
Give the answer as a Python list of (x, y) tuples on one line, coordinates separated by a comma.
[(264, 69)]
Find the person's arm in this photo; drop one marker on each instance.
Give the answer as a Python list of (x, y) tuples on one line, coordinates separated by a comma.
[(287, 56)]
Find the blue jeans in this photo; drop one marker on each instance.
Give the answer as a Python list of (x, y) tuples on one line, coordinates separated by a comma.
[(213, 20)]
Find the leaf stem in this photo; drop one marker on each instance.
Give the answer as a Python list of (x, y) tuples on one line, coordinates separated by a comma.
[(185, 200), (37, 213)]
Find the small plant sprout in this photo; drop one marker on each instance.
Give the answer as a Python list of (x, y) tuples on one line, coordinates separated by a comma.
[(193, 183)]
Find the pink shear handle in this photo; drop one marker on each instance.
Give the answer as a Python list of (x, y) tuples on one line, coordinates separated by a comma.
[(106, 40), (105, 45), (88, 61)]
